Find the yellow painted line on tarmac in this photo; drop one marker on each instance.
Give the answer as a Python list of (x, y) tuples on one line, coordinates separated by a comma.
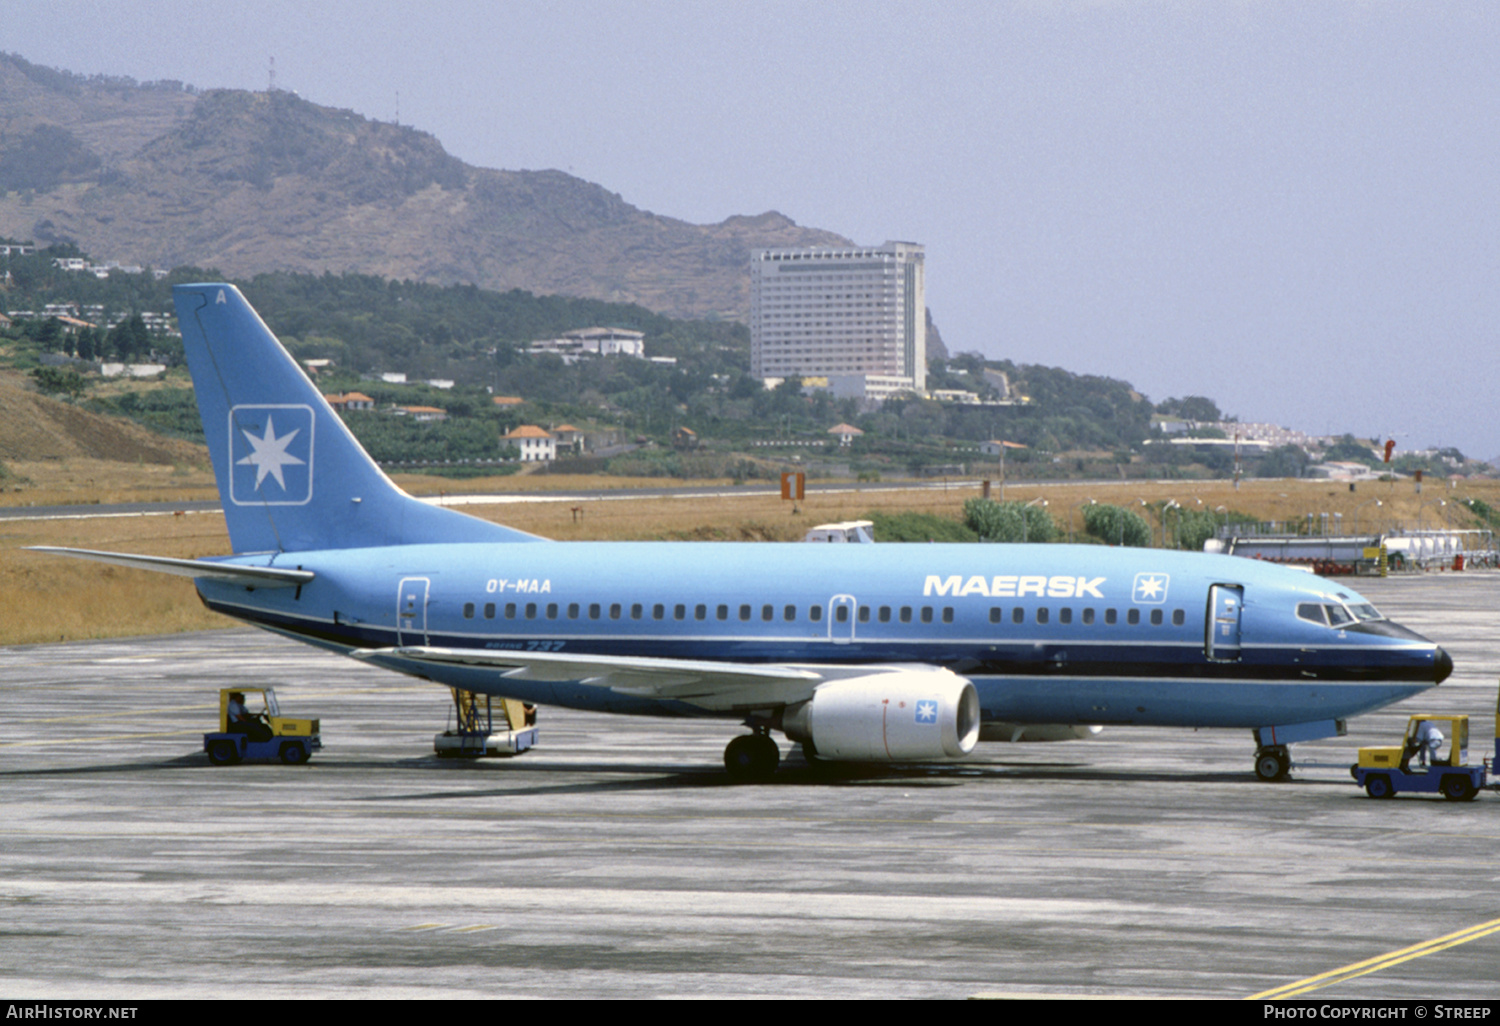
[(1379, 962)]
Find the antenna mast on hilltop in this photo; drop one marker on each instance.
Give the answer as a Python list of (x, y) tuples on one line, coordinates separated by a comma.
[(271, 87)]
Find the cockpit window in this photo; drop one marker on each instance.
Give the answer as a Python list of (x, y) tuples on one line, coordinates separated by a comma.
[(1312, 612), (1336, 614)]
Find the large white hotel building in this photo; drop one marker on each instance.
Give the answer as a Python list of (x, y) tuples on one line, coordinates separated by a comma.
[(841, 314)]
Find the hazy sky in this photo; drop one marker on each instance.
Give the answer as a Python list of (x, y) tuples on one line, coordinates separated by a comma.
[(1288, 207)]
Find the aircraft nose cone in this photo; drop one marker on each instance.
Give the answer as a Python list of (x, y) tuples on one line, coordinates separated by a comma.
[(1442, 666)]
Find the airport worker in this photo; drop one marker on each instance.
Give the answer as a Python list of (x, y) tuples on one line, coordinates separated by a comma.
[(239, 716), (1429, 739), (242, 721)]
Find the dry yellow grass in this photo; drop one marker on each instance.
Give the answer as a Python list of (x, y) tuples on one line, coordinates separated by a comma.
[(51, 599)]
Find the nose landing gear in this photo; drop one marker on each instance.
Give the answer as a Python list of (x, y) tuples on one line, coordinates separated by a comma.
[(1273, 762)]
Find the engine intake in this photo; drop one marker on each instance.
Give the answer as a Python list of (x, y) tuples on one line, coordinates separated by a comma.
[(902, 715)]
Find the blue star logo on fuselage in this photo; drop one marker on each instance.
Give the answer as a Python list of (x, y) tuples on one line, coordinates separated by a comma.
[(1150, 589)]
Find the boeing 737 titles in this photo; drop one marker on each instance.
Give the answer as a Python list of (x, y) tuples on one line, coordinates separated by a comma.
[(858, 652)]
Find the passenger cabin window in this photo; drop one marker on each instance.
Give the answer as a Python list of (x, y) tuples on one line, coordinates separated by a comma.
[(745, 611), (468, 610), (679, 612), (489, 610), (789, 613), (573, 610), (815, 613), (1088, 615), (1133, 617), (658, 612), (767, 613), (947, 614), (1041, 614), (552, 610), (1065, 615), (1178, 618), (1156, 617), (864, 614), (995, 614), (1018, 615), (1110, 616)]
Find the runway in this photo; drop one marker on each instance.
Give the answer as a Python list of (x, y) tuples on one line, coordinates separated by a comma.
[(615, 860)]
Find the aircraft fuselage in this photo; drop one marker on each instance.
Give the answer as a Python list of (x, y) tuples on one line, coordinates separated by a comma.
[(1047, 634)]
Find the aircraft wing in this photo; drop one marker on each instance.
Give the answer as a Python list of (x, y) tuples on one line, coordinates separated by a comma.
[(708, 684), (232, 573)]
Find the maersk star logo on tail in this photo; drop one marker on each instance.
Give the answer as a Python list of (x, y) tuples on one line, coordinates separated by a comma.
[(271, 455)]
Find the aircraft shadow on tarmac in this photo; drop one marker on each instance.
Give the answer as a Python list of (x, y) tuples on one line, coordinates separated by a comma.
[(530, 778)]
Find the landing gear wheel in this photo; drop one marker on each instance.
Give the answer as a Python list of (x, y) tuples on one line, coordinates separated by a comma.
[(1459, 789), (1379, 786), (1273, 763), (293, 753), (752, 757), (223, 753)]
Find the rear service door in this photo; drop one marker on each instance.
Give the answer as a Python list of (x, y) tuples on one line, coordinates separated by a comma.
[(1225, 601), (411, 611)]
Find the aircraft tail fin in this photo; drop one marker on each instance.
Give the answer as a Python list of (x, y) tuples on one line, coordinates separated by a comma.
[(291, 476)]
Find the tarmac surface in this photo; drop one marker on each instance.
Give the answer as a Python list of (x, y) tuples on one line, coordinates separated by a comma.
[(615, 860)]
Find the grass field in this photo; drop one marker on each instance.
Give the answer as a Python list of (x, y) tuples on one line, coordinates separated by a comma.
[(53, 599)]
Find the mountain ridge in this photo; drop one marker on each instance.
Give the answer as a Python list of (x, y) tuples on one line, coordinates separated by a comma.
[(243, 182)]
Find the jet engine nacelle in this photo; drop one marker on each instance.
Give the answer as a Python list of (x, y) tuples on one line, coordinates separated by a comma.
[(888, 717)]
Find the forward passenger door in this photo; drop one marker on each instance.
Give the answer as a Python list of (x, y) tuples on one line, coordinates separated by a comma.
[(1222, 638)]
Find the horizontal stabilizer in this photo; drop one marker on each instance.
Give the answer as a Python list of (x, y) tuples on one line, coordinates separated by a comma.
[(202, 569), (708, 684)]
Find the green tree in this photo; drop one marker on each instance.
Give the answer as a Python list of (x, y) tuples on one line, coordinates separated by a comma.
[(1114, 525), (1009, 521), (59, 381), (1283, 461)]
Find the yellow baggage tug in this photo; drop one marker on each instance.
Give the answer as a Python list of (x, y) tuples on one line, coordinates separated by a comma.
[(262, 734), (1387, 771)]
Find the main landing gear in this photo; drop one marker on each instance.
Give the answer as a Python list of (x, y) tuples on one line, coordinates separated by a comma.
[(752, 757), (1273, 762)]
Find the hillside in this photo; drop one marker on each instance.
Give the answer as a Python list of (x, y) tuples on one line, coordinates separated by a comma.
[(34, 427), (247, 182)]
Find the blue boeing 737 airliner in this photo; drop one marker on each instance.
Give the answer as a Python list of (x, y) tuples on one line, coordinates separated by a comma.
[(858, 652)]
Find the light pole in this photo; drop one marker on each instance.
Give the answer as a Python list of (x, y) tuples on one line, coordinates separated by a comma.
[(1171, 504), (1378, 504), (1024, 508)]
